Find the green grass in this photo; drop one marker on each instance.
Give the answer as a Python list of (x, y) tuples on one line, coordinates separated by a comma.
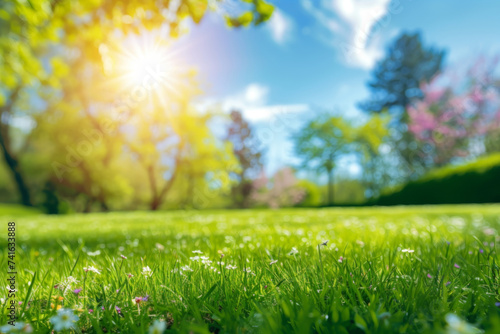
[(15, 210), (377, 288)]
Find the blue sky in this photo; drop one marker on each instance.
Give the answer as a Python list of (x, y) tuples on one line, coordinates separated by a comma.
[(296, 65)]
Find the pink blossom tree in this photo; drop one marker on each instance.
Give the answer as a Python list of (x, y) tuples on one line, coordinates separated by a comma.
[(281, 190), (458, 113)]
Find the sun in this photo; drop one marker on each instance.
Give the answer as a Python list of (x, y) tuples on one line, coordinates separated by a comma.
[(143, 63), (149, 67)]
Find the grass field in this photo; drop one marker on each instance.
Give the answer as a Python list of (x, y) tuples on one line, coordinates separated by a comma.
[(383, 270)]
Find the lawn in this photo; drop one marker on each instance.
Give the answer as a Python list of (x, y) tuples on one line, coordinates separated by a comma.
[(357, 270)]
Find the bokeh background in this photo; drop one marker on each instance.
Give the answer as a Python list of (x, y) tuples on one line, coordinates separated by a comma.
[(197, 104)]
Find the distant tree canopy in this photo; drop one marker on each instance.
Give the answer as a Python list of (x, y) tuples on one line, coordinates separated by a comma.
[(397, 78), (396, 82), (247, 150), (321, 142), (53, 65)]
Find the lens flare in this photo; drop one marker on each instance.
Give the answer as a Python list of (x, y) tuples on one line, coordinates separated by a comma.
[(143, 63)]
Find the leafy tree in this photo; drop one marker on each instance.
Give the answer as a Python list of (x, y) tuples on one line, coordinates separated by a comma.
[(245, 149), (397, 78), (369, 139), (458, 116), (282, 190), (320, 142), (39, 39), (395, 83)]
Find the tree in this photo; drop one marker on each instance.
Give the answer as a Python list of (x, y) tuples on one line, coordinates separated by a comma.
[(397, 78), (320, 142), (282, 190), (458, 116), (396, 82), (38, 36), (245, 149), (369, 139)]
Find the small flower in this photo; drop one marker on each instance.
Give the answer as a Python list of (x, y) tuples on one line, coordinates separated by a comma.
[(456, 266), (273, 262), (97, 252), (497, 304), (230, 267), (77, 291), (92, 269), (341, 259), (91, 310), (123, 256), (186, 268), (65, 319), (448, 283), (147, 272), (137, 300), (118, 310), (160, 246), (197, 252), (19, 327), (130, 275), (24, 328), (407, 250), (429, 275), (293, 251), (158, 327), (457, 325), (481, 251)]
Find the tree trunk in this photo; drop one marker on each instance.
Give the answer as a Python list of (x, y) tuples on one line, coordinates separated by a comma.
[(13, 165), (330, 186), (155, 204), (9, 158)]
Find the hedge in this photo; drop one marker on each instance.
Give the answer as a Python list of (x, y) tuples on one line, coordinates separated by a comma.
[(475, 182)]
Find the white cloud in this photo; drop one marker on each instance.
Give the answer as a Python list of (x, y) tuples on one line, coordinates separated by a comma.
[(350, 25), (252, 101), (268, 112), (280, 26)]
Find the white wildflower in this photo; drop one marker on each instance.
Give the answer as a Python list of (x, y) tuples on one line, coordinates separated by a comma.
[(273, 262), (93, 269), (459, 326), (158, 327), (147, 272), (65, 319), (186, 268), (293, 251)]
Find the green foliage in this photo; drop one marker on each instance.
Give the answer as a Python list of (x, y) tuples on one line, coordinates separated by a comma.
[(321, 141), (397, 77), (361, 281), (312, 193), (55, 51), (469, 183), (245, 147)]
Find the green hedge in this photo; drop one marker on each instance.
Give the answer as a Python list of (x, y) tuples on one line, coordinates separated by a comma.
[(475, 182)]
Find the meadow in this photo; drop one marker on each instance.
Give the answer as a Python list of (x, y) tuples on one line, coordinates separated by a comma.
[(429, 269)]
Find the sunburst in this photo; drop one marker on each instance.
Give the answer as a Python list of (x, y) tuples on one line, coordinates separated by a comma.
[(143, 65)]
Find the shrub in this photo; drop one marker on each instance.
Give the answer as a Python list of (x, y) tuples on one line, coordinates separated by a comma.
[(475, 182)]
